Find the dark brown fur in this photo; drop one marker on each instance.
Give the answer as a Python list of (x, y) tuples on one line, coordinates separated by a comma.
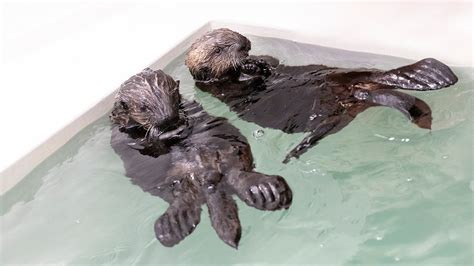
[(317, 99), (175, 150), (216, 54)]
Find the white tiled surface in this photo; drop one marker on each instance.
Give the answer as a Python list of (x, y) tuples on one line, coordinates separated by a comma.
[(60, 60)]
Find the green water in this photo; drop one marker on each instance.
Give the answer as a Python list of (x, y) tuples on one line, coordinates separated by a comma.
[(381, 191)]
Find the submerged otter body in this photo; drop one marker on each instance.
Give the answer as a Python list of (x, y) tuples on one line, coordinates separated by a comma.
[(176, 151), (317, 99)]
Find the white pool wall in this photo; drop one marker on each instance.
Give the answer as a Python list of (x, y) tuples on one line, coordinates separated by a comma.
[(61, 62)]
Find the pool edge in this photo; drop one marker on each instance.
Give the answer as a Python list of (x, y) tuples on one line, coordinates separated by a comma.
[(14, 173)]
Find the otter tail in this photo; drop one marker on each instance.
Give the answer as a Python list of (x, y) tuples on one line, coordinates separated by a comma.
[(427, 74)]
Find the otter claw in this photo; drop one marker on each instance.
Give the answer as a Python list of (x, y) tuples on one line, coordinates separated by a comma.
[(250, 69)]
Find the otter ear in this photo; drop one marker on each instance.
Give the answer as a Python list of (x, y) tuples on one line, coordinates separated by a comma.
[(177, 84)]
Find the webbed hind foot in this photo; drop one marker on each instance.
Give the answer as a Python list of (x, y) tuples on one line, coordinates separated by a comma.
[(224, 217), (179, 221), (413, 108), (426, 74), (264, 192)]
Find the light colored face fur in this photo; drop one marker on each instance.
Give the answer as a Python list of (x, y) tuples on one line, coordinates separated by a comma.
[(150, 99), (217, 53)]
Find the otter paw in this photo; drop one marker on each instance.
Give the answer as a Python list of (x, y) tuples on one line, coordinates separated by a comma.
[(176, 223), (267, 193), (250, 69)]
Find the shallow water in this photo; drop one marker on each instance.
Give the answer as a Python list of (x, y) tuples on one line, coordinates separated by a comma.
[(381, 191)]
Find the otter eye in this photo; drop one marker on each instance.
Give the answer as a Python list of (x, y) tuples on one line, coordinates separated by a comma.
[(123, 105), (143, 108), (217, 50)]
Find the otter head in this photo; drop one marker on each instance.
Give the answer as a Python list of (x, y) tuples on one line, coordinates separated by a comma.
[(216, 54), (148, 101)]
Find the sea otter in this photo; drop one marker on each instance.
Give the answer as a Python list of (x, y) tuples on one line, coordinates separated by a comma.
[(317, 99), (172, 149)]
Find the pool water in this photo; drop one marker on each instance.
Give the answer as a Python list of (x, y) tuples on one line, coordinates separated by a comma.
[(381, 191)]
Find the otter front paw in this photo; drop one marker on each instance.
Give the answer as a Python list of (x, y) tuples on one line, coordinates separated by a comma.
[(250, 69), (256, 67)]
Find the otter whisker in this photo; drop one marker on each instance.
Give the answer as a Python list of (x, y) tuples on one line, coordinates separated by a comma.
[(148, 131)]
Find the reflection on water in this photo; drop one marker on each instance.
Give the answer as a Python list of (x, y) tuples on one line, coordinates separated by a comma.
[(381, 191)]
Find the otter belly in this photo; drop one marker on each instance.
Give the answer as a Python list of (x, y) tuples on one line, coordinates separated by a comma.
[(147, 172), (291, 105)]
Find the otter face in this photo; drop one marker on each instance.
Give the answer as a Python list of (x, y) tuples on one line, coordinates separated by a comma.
[(216, 54), (149, 100)]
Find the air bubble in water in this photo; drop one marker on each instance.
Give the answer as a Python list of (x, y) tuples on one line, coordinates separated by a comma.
[(258, 133), (378, 238), (409, 179), (391, 138), (445, 157)]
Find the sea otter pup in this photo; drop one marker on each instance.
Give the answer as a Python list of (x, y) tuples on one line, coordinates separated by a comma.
[(317, 99), (173, 149)]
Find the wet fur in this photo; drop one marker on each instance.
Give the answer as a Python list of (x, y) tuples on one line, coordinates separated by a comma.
[(198, 159), (319, 99)]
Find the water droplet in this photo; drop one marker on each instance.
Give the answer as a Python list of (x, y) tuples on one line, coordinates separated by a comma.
[(407, 140), (409, 179), (391, 138), (378, 238), (78, 221), (445, 157), (321, 245), (396, 259), (313, 116), (258, 133)]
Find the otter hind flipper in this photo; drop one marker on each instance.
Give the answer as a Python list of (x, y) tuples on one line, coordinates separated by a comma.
[(329, 126), (224, 217), (179, 221), (426, 74), (413, 108), (264, 192)]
